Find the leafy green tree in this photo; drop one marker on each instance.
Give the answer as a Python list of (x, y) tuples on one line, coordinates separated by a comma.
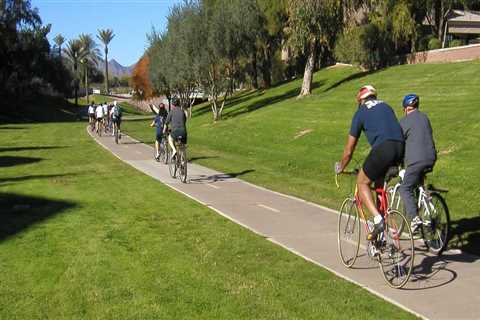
[(158, 54), (313, 24), (105, 36), (27, 67), (270, 35)]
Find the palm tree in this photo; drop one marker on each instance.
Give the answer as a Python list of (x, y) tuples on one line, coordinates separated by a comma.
[(59, 40), (105, 36), (74, 54), (90, 58)]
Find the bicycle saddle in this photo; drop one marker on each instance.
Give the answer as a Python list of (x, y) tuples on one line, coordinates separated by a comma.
[(392, 172)]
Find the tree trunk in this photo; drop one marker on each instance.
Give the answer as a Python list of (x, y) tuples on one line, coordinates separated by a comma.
[(254, 71), (106, 70), (76, 83), (267, 68), (86, 84), (308, 74)]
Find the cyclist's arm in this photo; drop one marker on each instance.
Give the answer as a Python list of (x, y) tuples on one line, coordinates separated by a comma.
[(167, 122), (348, 151)]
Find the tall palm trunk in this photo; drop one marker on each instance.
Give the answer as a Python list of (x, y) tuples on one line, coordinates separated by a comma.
[(106, 70), (76, 83), (87, 93)]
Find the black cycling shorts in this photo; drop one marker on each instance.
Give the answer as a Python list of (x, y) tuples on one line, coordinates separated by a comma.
[(388, 154), (179, 133)]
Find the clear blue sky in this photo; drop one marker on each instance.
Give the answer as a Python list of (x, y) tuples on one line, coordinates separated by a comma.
[(130, 20)]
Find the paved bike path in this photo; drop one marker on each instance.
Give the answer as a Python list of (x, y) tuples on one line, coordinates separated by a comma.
[(444, 287)]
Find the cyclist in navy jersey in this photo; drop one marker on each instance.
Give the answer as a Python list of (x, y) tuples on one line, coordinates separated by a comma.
[(377, 119)]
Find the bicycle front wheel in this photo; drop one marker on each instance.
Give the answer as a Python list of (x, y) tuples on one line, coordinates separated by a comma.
[(348, 232), (396, 250), (436, 223)]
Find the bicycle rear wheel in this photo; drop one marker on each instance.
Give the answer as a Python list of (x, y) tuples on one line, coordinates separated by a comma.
[(116, 134), (161, 151), (172, 165), (395, 202), (436, 224), (396, 250), (348, 232), (183, 165)]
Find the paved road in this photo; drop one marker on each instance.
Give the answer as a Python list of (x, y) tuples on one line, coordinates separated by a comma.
[(444, 287)]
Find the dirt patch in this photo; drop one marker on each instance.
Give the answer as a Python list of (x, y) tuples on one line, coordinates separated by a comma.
[(302, 133), (447, 151)]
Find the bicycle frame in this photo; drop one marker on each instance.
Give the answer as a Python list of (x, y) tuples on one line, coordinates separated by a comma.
[(382, 204)]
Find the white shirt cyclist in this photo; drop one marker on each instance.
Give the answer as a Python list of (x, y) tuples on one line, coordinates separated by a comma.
[(99, 112)]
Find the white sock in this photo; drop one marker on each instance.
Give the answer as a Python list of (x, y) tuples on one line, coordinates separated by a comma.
[(377, 219)]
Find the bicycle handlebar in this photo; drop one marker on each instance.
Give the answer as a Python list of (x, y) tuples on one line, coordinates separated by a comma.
[(354, 172)]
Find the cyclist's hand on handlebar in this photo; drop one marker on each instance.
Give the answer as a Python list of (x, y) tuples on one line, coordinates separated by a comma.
[(338, 167)]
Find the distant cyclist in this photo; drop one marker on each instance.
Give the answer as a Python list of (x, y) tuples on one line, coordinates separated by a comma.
[(116, 116), (91, 113), (106, 116), (176, 120), (383, 132), (420, 154), (158, 123), (99, 117)]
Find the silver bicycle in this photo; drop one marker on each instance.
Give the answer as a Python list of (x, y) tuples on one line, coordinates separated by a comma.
[(432, 210)]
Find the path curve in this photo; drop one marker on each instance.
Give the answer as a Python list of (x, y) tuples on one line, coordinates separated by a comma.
[(441, 287)]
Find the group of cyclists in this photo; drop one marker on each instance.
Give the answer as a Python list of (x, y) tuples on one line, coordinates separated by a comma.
[(408, 141), (104, 116)]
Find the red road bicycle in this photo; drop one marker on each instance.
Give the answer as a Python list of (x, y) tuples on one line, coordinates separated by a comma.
[(393, 248)]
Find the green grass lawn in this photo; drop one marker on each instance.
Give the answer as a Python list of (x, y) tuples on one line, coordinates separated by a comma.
[(290, 145), (85, 236)]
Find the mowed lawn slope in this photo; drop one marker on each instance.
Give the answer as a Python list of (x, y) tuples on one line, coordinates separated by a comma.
[(290, 145), (85, 236)]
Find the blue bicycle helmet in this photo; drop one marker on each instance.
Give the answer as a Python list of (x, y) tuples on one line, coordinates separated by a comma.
[(411, 100)]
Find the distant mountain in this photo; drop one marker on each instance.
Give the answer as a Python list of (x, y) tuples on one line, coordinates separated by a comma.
[(115, 69)]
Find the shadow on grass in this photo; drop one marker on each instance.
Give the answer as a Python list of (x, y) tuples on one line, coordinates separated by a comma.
[(11, 128), (9, 161), (231, 102), (220, 177), (261, 103), (201, 158), (350, 78), (42, 109), (465, 234), (19, 212), (6, 149), (5, 181)]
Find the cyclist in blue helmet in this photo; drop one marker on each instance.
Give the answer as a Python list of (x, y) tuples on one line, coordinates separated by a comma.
[(420, 154)]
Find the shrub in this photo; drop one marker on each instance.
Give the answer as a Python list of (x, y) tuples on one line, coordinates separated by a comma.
[(366, 46), (456, 43), (434, 43)]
